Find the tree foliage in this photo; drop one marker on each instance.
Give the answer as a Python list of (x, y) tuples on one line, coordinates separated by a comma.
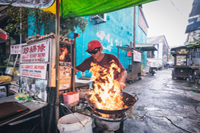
[(66, 25), (41, 20), (13, 23)]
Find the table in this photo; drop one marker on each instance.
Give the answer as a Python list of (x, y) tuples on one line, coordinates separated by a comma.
[(7, 87), (31, 105)]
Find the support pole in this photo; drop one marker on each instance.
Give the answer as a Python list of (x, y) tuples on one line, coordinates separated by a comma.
[(134, 28), (57, 60), (20, 25), (74, 63)]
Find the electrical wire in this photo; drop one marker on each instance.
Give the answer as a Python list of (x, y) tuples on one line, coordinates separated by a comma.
[(177, 9), (34, 127), (170, 121), (177, 126)]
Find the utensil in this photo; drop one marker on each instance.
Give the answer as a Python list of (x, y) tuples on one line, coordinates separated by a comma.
[(128, 100)]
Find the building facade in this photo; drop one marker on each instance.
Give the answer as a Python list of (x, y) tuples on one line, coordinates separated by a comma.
[(162, 46), (113, 29)]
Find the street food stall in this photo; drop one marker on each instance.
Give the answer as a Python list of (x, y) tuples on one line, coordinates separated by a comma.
[(195, 60), (134, 66), (48, 68), (182, 68)]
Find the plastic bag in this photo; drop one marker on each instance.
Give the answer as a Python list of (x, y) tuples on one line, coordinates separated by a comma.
[(5, 79)]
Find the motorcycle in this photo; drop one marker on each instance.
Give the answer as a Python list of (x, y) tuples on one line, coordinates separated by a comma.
[(152, 70)]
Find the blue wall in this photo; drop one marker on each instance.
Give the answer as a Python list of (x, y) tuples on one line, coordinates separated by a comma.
[(33, 27), (116, 31)]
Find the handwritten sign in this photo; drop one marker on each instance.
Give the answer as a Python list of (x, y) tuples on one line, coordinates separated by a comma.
[(16, 49), (33, 70), (38, 52), (136, 56)]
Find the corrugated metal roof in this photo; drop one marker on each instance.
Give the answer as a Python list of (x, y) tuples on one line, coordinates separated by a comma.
[(157, 40), (195, 8), (145, 47), (194, 24)]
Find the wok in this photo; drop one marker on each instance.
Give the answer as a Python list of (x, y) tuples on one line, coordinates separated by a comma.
[(128, 100)]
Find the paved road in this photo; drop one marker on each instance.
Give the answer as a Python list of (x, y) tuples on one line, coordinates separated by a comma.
[(164, 105)]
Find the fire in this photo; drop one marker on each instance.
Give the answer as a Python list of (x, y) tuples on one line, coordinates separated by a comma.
[(63, 54), (106, 93)]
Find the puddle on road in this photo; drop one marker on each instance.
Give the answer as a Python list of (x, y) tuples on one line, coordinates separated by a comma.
[(152, 108)]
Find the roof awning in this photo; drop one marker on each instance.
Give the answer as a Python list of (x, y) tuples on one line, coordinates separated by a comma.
[(194, 24), (195, 8), (145, 47), (77, 8), (179, 47)]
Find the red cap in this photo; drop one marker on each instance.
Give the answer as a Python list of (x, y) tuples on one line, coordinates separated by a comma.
[(93, 44)]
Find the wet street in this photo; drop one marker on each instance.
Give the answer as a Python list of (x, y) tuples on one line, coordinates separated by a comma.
[(164, 105)]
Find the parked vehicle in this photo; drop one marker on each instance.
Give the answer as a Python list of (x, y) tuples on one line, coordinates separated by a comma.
[(156, 63), (152, 70), (169, 64)]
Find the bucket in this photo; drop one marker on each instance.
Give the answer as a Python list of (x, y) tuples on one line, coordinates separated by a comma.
[(69, 124)]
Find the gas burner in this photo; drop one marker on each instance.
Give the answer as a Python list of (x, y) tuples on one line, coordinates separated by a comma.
[(109, 116), (112, 123)]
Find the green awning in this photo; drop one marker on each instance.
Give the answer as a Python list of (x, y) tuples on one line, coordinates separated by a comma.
[(77, 8)]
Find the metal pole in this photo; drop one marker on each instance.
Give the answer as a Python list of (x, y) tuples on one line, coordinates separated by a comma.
[(20, 25), (57, 59), (74, 63), (134, 29)]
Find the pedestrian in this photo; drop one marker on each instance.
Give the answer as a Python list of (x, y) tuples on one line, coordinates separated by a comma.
[(103, 59)]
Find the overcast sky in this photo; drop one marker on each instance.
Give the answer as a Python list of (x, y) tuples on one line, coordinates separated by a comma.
[(169, 18)]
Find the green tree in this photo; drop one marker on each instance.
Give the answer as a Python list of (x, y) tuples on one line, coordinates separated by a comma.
[(42, 21), (13, 23), (198, 40)]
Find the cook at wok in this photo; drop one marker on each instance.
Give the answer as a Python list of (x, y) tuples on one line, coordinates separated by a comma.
[(103, 59)]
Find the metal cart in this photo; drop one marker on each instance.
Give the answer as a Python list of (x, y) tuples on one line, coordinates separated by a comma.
[(134, 66), (181, 68)]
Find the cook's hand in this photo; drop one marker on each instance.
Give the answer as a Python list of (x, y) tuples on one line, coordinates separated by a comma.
[(122, 85)]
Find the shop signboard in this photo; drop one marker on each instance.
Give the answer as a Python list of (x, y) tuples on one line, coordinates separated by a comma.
[(16, 49), (37, 70), (136, 56), (37, 52)]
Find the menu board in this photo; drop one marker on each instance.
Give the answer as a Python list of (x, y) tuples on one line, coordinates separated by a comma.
[(34, 70), (37, 52), (65, 76)]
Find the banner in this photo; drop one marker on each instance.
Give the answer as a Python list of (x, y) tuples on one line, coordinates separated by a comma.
[(136, 56), (33, 70), (37, 52)]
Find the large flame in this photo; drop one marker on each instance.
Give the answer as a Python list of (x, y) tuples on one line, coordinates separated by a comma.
[(63, 54), (106, 93)]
